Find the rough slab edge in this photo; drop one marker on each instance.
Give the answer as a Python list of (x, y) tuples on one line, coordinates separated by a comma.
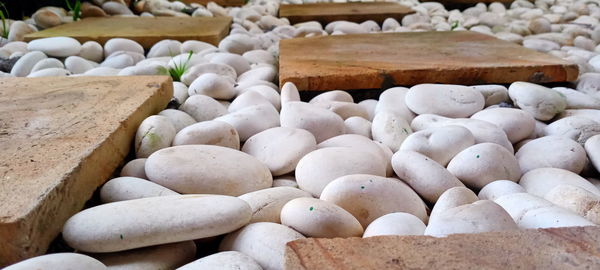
[(388, 79), (554, 248), (146, 41), (97, 169)]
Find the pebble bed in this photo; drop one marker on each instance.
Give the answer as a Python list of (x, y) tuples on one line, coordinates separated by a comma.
[(237, 155)]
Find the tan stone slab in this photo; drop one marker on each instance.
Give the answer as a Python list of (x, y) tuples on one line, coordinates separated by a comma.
[(373, 61), (146, 31), (354, 12), (61, 138), (223, 3), (560, 248)]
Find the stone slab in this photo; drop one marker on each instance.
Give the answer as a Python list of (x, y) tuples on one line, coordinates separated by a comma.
[(61, 138), (373, 61), (558, 248), (146, 31), (354, 12)]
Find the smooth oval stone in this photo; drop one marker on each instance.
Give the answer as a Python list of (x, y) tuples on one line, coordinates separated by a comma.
[(540, 181), (425, 176), (247, 99), (203, 108), (493, 93), (166, 47), (318, 168), (551, 151), (154, 133), (577, 128), (394, 100), (259, 56), (78, 65), (335, 95), (280, 148), (102, 71), (212, 85), (179, 118), (266, 204), (542, 102), (439, 143), (47, 63), (92, 50), (122, 44), (130, 188), (589, 83), (577, 99), (483, 131), (499, 188), (195, 71), (238, 44), (370, 105), (289, 92), (55, 46), (25, 64), (263, 241), (317, 218), (118, 61), (445, 100), (576, 199), (153, 221), (209, 132), (266, 73), (18, 30), (49, 72), (226, 260), (358, 125), (477, 217), (451, 198), (180, 92), (45, 18), (252, 120), (390, 129), (134, 168), (344, 109), (116, 8), (322, 123), (363, 144), (395, 224), (530, 212), (369, 197), (267, 92), (169, 256), (592, 148), (237, 62), (195, 46), (517, 124), (59, 261), (483, 163), (223, 170)]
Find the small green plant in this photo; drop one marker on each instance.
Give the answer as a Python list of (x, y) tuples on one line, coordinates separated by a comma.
[(3, 16), (76, 9), (178, 68), (454, 25)]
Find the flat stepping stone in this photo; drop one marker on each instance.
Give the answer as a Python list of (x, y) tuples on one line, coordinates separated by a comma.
[(146, 31), (374, 61), (61, 138), (354, 12), (522, 249), (223, 3)]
